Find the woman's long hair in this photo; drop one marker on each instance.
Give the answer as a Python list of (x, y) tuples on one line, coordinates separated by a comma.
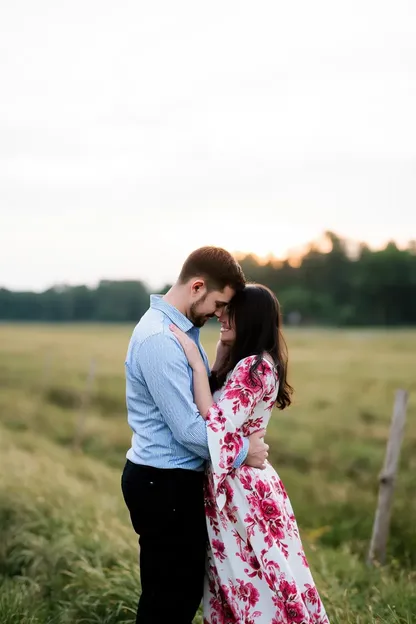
[(255, 314)]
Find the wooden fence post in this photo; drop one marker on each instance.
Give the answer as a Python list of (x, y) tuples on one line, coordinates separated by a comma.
[(85, 399), (377, 551)]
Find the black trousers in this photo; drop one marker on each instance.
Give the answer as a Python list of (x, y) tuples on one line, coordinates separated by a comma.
[(167, 512)]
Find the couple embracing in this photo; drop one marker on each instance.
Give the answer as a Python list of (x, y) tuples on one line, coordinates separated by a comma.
[(213, 517)]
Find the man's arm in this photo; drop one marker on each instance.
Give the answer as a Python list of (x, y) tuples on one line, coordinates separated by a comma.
[(164, 367)]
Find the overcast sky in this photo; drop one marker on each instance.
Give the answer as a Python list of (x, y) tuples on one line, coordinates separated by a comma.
[(133, 132)]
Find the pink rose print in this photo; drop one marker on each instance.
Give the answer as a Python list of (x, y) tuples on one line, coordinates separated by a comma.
[(218, 549), (287, 590), (231, 446), (216, 419), (229, 492), (247, 592), (304, 560), (257, 571), (296, 612), (269, 509), (255, 568), (251, 426), (311, 595), (245, 477)]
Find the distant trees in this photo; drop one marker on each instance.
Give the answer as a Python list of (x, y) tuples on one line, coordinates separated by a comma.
[(333, 284), (115, 301), (343, 285)]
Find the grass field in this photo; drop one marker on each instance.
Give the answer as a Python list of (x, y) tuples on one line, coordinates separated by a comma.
[(67, 551)]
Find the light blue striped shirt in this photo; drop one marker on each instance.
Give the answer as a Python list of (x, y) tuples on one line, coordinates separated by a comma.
[(168, 430)]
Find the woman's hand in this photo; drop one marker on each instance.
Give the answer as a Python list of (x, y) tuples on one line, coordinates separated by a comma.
[(191, 350)]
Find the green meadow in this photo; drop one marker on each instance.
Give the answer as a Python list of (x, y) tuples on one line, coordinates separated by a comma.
[(67, 551)]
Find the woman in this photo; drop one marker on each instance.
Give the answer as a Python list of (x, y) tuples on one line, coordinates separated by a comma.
[(256, 570)]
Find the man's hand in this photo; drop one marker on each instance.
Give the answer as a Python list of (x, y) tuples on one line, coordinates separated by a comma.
[(257, 450)]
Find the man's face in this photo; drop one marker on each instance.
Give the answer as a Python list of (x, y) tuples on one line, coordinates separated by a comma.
[(205, 304)]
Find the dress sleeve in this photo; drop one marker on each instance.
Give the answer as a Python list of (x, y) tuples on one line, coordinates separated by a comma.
[(226, 417)]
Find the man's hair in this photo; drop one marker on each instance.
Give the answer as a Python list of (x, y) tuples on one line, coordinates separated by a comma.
[(216, 265)]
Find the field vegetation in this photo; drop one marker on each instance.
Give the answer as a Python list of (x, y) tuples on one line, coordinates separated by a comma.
[(67, 551)]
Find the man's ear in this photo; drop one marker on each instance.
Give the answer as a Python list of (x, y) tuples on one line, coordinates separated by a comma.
[(198, 286)]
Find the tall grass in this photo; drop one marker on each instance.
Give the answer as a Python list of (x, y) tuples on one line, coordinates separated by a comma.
[(67, 551)]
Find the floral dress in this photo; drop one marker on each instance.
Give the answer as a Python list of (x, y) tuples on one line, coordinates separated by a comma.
[(256, 567)]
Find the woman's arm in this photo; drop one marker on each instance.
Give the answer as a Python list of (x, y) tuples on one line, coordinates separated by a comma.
[(227, 416), (253, 450), (202, 392)]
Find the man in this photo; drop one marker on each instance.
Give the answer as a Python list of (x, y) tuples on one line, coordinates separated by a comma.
[(163, 477)]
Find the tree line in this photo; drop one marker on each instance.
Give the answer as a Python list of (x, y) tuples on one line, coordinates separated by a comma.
[(332, 286)]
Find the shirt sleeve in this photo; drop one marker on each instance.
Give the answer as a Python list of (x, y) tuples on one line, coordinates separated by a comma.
[(165, 370), (242, 456), (226, 418)]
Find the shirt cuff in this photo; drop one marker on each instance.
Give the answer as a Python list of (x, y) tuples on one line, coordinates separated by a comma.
[(241, 457)]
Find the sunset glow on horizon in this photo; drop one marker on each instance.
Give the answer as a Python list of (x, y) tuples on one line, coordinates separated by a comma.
[(123, 153)]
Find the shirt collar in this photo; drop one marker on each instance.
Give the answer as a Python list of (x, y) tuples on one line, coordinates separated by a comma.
[(158, 303)]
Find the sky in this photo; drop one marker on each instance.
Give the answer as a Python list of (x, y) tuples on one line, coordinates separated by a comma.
[(133, 132)]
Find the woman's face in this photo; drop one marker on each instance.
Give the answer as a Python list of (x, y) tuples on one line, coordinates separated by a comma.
[(227, 331)]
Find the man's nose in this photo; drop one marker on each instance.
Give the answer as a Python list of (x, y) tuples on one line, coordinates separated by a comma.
[(219, 313)]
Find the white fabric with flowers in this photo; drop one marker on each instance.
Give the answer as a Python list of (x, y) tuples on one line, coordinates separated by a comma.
[(257, 571)]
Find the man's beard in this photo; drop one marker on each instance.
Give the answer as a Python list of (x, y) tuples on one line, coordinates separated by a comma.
[(197, 319)]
